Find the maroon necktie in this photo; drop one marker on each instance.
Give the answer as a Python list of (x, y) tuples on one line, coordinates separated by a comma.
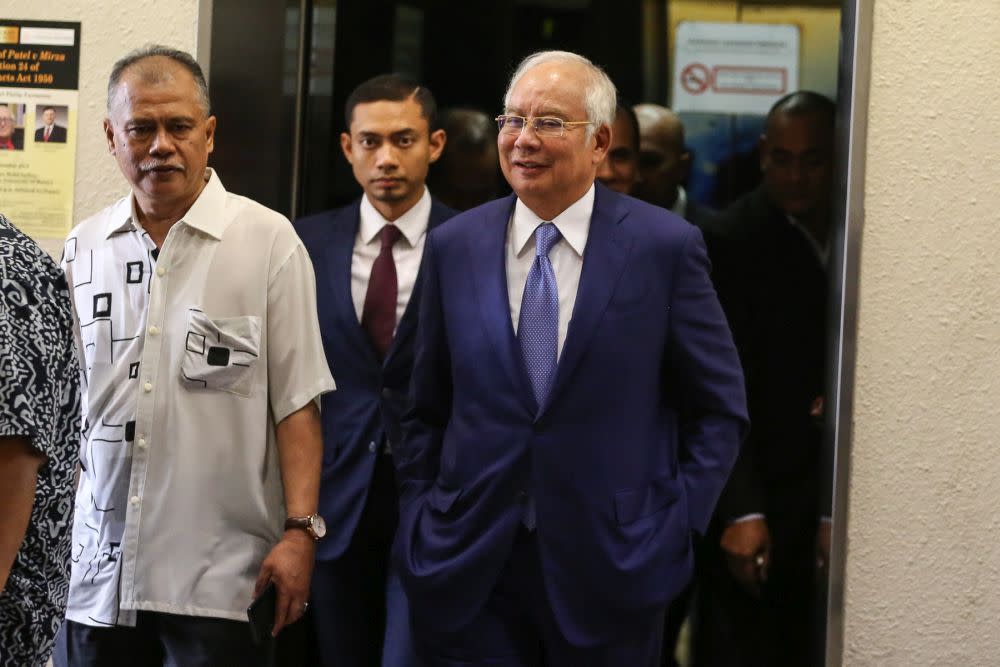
[(378, 317)]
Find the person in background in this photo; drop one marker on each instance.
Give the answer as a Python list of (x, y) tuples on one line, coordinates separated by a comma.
[(664, 163), (195, 315), (757, 576), (11, 137), (39, 443), (553, 471), (49, 132), (468, 172), (367, 259), (620, 168)]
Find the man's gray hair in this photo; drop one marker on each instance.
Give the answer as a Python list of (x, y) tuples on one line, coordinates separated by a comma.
[(600, 96), (182, 58)]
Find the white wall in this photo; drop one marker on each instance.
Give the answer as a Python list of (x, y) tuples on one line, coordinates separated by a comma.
[(923, 568), (110, 28)]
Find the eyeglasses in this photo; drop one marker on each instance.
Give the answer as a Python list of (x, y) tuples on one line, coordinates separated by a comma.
[(6, 119), (543, 126)]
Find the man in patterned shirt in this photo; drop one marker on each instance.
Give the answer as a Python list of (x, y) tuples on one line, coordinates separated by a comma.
[(39, 437), (202, 362)]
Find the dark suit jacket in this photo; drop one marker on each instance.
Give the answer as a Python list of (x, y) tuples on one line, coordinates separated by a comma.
[(625, 458), (370, 396), (774, 291), (58, 135)]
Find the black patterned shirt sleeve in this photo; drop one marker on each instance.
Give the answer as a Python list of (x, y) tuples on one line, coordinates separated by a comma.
[(39, 400)]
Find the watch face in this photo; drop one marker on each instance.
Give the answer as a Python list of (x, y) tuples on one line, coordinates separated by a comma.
[(318, 525)]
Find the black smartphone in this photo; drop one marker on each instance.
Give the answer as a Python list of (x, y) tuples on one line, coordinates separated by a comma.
[(261, 614)]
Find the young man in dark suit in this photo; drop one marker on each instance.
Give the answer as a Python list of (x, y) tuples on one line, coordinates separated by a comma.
[(367, 258)]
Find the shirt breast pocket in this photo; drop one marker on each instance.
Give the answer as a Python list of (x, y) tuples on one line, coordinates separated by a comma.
[(221, 354)]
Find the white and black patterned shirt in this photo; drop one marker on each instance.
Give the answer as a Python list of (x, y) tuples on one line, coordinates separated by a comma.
[(39, 400), (191, 355)]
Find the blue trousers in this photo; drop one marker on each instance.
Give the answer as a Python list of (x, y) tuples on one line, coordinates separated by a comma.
[(518, 628)]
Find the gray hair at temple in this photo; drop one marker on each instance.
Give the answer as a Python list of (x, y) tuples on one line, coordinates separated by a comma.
[(156, 74), (600, 96)]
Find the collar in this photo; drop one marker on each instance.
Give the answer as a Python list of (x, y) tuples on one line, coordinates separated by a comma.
[(204, 214), (413, 223), (573, 223), (822, 252), (681, 203)]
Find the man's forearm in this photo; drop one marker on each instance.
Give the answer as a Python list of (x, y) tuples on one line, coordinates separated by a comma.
[(19, 464), (300, 450)]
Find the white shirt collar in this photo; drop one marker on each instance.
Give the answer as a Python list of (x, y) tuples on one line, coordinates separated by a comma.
[(681, 203), (573, 223), (413, 223), (203, 214)]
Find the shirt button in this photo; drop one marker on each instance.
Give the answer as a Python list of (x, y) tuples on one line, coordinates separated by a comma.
[(372, 446), (160, 270), (148, 387), (142, 443), (153, 330), (135, 500)]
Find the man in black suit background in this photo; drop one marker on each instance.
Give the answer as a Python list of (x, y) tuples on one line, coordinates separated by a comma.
[(49, 132), (664, 163), (757, 579)]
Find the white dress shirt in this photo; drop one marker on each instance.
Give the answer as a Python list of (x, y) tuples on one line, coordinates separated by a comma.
[(566, 255), (188, 362), (406, 253)]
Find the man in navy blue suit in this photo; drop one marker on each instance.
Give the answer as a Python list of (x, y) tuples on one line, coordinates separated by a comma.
[(577, 403), (367, 256)]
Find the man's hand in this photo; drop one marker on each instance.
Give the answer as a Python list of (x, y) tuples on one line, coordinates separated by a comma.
[(289, 566), (747, 545)]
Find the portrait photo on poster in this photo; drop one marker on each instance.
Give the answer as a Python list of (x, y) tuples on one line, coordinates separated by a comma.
[(11, 126), (51, 122)]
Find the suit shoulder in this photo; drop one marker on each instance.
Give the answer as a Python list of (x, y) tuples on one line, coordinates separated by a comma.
[(318, 225), (462, 224), (657, 224)]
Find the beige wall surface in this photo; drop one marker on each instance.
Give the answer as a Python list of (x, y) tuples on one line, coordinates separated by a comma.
[(109, 28), (923, 566)]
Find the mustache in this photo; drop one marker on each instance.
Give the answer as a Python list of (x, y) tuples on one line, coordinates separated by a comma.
[(159, 166)]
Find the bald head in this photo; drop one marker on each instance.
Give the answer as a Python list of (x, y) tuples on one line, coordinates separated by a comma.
[(663, 160)]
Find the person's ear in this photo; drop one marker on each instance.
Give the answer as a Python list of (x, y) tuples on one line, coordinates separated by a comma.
[(109, 133), (345, 146), (602, 142), (437, 141)]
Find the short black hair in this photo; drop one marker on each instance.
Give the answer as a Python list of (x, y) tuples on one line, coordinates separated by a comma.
[(392, 88), (623, 106), (804, 102), (182, 58), (468, 130)]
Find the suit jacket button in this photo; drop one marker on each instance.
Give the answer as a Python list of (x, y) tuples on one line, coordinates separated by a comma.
[(386, 392), (372, 446), (521, 495)]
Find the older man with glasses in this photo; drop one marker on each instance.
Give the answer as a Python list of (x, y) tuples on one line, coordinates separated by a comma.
[(577, 402), (11, 137)]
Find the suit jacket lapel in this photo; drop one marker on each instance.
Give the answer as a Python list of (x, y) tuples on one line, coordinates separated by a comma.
[(337, 270), (604, 258), (408, 323), (489, 263)]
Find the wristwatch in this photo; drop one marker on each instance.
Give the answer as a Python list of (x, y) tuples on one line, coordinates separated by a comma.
[(312, 524)]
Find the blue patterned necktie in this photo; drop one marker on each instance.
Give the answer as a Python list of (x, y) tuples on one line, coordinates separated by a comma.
[(538, 324)]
